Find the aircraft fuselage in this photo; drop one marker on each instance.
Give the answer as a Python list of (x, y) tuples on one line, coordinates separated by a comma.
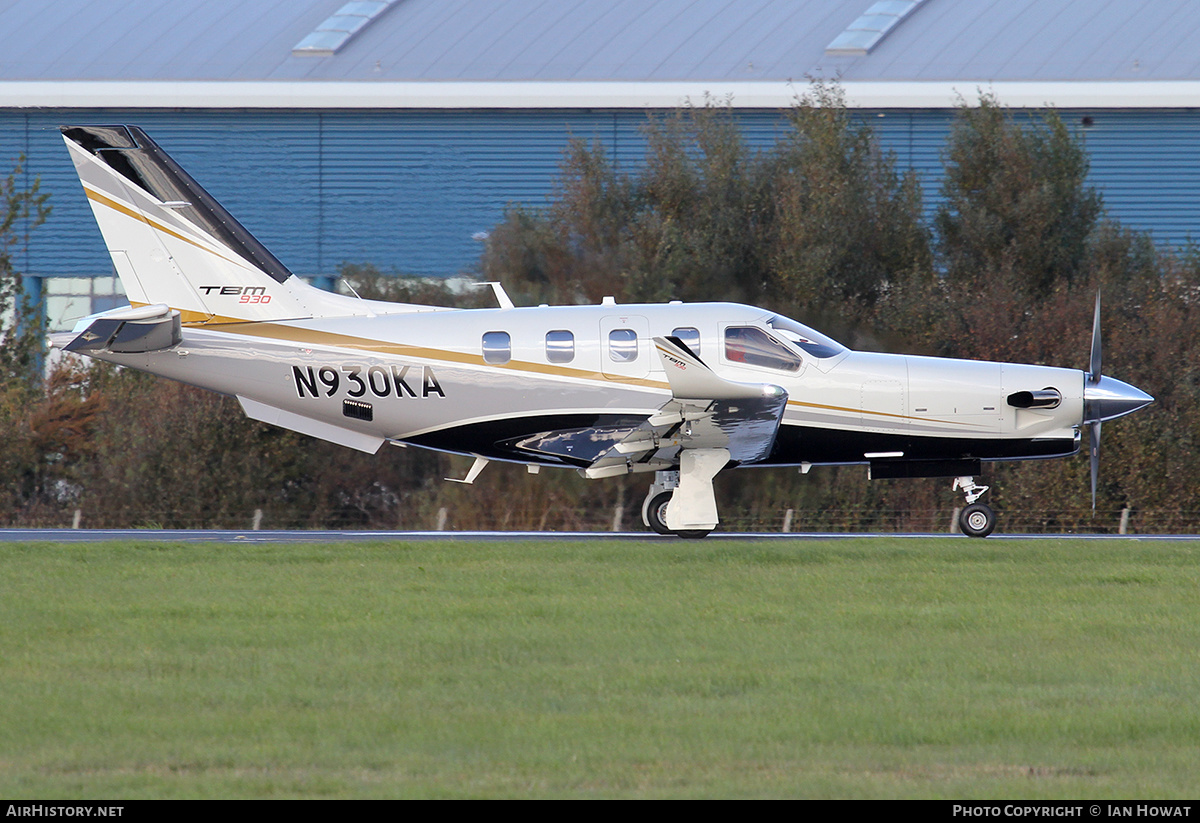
[(425, 378)]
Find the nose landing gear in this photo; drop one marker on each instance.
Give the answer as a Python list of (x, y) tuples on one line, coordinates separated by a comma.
[(977, 519)]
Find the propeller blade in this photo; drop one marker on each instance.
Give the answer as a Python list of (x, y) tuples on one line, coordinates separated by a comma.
[(1094, 376)]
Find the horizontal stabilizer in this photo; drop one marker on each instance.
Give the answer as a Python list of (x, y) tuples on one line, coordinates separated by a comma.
[(130, 330)]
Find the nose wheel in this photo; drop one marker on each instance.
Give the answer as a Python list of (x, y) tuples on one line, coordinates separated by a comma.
[(977, 519)]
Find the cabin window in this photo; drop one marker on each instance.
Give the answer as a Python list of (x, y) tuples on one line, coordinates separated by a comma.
[(754, 347), (690, 338), (560, 346), (622, 345), (497, 347)]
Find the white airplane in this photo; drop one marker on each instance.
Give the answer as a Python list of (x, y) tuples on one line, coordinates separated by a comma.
[(682, 391)]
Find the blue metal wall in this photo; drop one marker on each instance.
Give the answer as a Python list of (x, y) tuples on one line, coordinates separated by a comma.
[(406, 190), (403, 190)]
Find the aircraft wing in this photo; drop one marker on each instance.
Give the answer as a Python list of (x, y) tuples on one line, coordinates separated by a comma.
[(705, 411)]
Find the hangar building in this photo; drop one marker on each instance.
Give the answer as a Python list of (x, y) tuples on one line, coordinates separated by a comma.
[(395, 132)]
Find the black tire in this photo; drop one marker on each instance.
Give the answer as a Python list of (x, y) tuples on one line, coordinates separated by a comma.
[(656, 513), (977, 520)]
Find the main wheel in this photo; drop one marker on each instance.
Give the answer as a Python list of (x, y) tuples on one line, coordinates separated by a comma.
[(977, 520), (656, 513)]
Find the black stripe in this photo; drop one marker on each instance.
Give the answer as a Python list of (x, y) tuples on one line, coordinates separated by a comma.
[(800, 444), (794, 444), (495, 439)]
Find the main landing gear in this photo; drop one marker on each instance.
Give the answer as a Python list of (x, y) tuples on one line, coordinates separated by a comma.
[(656, 518), (977, 519), (682, 502)]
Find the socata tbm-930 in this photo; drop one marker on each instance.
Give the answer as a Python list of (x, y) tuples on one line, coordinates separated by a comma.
[(678, 391)]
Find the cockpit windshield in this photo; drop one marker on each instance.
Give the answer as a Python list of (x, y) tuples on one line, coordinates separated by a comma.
[(812, 342)]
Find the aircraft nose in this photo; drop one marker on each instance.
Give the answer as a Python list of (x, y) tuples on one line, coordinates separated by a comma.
[(1109, 398)]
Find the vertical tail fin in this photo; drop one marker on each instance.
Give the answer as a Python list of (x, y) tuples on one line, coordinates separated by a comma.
[(172, 243)]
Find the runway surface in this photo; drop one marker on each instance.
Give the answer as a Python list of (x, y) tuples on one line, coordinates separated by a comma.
[(231, 536)]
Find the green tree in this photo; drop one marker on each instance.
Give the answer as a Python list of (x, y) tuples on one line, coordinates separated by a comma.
[(25, 460), (1015, 201), (848, 225), (706, 211), (370, 283), (691, 224), (820, 222), (22, 329), (578, 248)]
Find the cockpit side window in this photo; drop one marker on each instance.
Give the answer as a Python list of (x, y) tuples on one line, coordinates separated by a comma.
[(810, 341), (754, 347)]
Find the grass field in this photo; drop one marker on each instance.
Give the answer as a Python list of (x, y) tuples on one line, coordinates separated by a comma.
[(849, 668)]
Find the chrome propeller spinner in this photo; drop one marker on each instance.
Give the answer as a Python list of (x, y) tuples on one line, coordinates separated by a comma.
[(1105, 398)]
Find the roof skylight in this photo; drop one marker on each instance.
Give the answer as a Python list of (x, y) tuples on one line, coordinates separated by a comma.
[(871, 27), (337, 29)]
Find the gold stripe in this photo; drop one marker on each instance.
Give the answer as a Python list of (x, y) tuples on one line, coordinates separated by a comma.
[(154, 224), (803, 404), (188, 316), (274, 331), (293, 334)]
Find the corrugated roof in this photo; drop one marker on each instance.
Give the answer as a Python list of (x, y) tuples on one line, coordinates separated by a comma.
[(412, 39), (1044, 40), (614, 53), (577, 40)]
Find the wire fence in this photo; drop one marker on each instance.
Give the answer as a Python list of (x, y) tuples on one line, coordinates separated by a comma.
[(626, 518)]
